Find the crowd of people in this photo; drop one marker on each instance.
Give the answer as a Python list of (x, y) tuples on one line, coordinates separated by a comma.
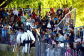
[(14, 22)]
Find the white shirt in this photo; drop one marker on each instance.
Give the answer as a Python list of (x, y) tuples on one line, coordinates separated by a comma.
[(15, 12), (28, 23), (30, 35), (18, 37), (23, 37)]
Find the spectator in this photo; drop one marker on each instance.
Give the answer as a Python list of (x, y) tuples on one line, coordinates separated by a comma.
[(4, 34), (34, 15), (61, 38), (15, 12), (23, 18), (65, 11), (71, 35)]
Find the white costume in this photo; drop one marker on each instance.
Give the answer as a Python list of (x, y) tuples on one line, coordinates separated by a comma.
[(25, 36), (30, 35), (19, 37)]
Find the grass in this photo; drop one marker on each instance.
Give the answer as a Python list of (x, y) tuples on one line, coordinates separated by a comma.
[(10, 53), (7, 53)]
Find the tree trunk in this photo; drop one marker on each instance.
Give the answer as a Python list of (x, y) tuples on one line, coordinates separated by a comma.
[(1, 1), (6, 3)]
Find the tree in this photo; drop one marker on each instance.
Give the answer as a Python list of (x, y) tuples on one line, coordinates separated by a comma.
[(4, 3)]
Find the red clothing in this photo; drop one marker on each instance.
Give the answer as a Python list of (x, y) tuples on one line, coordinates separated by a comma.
[(52, 10), (34, 16), (18, 19), (66, 10)]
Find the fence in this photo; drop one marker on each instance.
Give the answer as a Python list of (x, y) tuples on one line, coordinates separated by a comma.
[(79, 33), (61, 49)]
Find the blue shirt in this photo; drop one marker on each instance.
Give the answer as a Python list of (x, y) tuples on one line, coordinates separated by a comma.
[(4, 33), (61, 38), (55, 18)]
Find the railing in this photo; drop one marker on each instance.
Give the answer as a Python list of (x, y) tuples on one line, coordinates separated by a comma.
[(79, 33), (62, 49)]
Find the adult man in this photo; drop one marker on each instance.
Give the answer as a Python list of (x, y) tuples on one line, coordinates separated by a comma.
[(26, 39)]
